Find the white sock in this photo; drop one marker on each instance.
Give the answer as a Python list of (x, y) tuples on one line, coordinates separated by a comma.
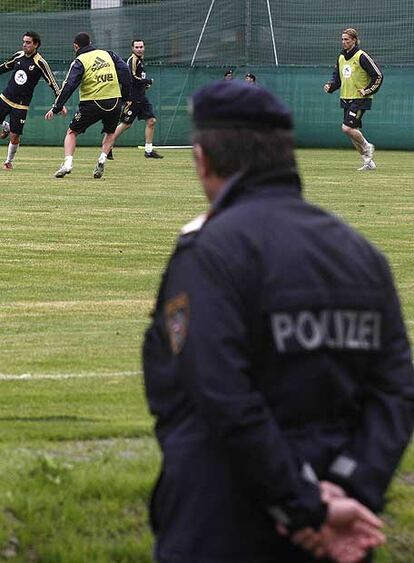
[(11, 152), (68, 162), (148, 147), (102, 158), (365, 144)]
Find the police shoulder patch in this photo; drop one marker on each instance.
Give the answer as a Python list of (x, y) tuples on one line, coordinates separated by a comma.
[(177, 317)]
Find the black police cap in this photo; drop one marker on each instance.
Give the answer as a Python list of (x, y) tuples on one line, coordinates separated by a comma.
[(235, 104)]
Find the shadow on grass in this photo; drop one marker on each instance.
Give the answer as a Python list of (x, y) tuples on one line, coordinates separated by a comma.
[(47, 419)]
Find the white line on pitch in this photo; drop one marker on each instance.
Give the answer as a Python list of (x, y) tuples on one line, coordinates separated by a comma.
[(37, 376)]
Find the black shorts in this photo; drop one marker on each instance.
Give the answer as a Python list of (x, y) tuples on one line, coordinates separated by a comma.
[(137, 110), (90, 112), (17, 117), (353, 113)]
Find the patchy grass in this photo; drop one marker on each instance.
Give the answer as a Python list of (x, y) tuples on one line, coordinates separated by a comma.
[(79, 267)]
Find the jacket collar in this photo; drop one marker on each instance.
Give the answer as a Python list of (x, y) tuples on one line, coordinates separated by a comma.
[(86, 49), (349, 54), (241, 185)]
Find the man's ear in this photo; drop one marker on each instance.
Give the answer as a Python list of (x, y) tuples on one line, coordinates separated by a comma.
[(201, 162)]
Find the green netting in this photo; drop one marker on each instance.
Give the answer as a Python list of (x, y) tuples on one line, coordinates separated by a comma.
[(228, 32), (290, 46)]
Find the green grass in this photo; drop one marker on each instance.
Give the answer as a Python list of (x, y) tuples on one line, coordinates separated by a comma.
[(80, 264)]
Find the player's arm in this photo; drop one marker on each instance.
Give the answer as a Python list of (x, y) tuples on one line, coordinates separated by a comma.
[(334, 83), (124, 76), (8, 65), (366, 465), (375, 74), (48, 75), (70, 84)]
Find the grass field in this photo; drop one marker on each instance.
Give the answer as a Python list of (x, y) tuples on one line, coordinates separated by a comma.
[(79, 267)]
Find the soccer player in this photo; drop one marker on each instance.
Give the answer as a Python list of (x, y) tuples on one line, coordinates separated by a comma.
[(28, 66), (139, 107), (359, 78), (103, 79)]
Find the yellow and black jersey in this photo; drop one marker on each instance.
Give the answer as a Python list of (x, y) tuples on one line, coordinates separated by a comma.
[(27, 71), (99, 74), (356, 69)]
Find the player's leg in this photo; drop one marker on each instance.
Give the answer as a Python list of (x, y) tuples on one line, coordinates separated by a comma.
[(365, 149), (5, 125), (118, 131), (69, 146), (128, 114), (11, 151), (357, 138), (121, 127), (146, 112), (110, 114), (351, 127), (88, 114), (17, 121)]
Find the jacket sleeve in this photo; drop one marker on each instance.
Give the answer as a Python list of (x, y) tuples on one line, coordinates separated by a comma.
[(49, 76), (375, 74), (124, 76), (71, 82), (8, 65), (132, 64), (366, 465), (216, 365), (335, 81)]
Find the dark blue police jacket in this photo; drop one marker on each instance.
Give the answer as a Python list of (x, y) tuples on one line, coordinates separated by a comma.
[(277, 352)]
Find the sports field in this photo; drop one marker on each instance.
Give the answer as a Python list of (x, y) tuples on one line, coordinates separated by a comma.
[(80, 262)]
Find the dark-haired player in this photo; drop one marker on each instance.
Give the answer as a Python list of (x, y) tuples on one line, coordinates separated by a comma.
[(139, 107), (27, 66), (103, 79)]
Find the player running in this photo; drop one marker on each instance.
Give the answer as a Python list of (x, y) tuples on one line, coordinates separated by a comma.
[(359, 78)]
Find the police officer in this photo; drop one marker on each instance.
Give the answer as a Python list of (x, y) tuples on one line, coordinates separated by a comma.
[(277, 364), (359, 77), (104, 80)]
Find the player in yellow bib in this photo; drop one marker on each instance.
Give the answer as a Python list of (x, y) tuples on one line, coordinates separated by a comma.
[(103, 80), (358, 77)]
